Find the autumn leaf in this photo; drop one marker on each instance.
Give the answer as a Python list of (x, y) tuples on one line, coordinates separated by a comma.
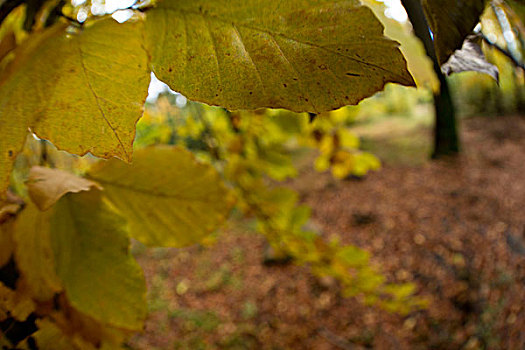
[(46, 186), (91, 252), (82, 89), (34, 254), (168, 197), (303, 55)]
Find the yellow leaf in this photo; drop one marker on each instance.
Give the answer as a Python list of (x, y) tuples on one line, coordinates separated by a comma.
[(46, 186), (168, 197), (303, 55), (81, 89), (92, 257), (34, 254)]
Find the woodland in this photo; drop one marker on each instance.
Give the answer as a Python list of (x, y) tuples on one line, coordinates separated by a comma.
[(289, 174)]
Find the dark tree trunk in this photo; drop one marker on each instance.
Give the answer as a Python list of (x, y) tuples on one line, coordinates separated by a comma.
[(446, 141)]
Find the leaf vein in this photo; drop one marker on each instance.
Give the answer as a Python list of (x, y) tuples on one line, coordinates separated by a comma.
[(257, 72), (98, 103), (295, 70), (307, 43)]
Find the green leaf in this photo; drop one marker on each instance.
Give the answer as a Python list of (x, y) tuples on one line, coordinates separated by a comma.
[(451, 21), (303, 55), (92, 257), (81, 89), (168, 197)]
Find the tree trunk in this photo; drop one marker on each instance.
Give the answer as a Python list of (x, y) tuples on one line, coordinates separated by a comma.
[(446, 141)]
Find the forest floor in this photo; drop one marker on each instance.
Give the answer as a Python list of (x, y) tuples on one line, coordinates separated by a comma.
[(454, 228)]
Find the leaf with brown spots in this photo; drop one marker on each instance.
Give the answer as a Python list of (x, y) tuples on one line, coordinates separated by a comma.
[(76, 88), (303, 55)]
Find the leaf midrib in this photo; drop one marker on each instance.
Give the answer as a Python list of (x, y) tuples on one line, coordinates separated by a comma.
[(88, 81)]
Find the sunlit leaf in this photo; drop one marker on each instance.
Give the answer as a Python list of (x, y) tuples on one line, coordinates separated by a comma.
[(92, 257), (81, 89), (303, 55), (168, 197)]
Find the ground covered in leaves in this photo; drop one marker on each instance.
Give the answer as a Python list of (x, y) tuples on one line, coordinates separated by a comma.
[(454, 228)]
